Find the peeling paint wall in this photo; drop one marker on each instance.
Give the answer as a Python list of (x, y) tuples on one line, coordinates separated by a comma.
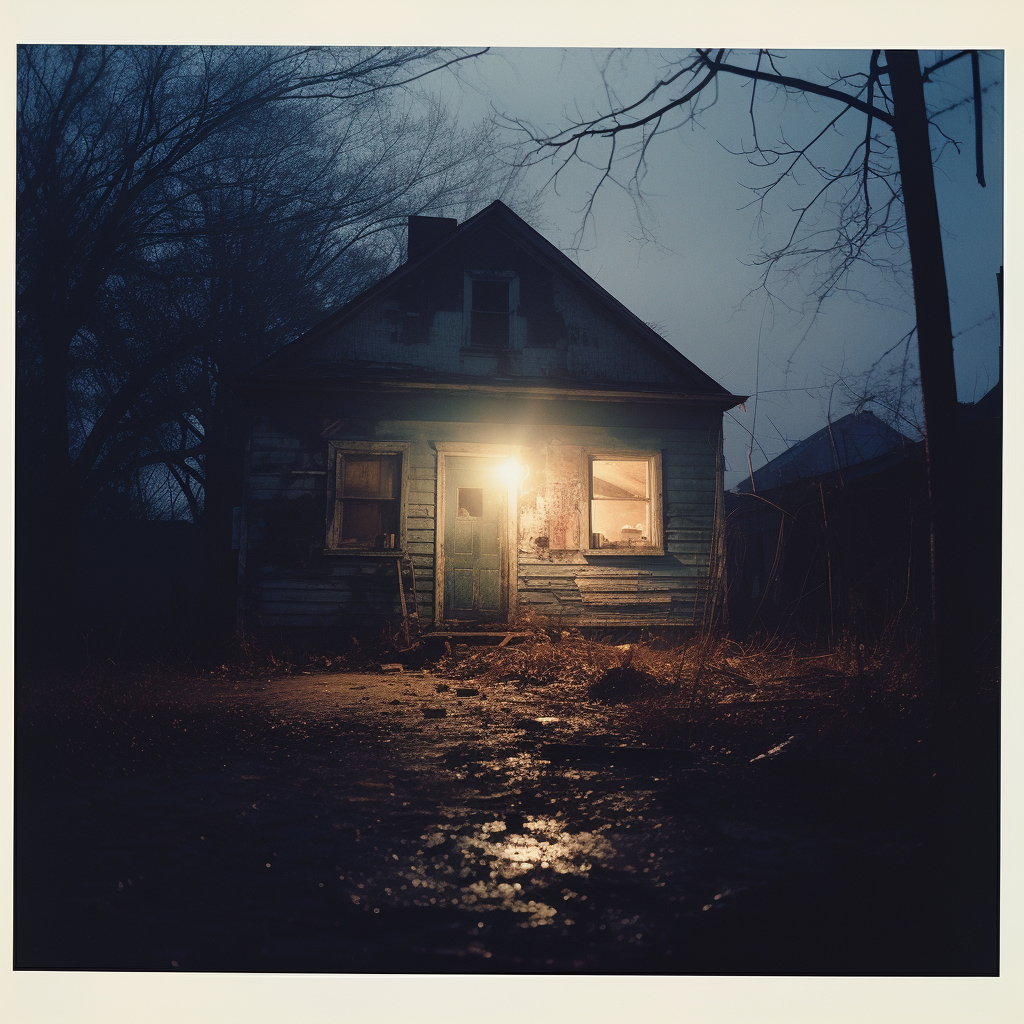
[(553, 502)]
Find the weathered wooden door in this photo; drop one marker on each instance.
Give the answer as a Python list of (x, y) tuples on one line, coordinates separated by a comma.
[(475, 528)]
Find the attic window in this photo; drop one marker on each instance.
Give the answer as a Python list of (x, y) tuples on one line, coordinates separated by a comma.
[(490, 307), (625, 503)]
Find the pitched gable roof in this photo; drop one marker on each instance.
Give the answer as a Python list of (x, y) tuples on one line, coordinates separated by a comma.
[(498, 217)]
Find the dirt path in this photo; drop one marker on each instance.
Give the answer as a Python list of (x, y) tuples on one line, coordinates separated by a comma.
[(398, 822)]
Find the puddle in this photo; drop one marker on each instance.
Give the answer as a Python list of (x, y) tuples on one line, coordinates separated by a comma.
[(503, 864), (441, 841)]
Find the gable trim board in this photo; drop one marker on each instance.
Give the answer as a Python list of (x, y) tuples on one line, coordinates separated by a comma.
[(513, 388)]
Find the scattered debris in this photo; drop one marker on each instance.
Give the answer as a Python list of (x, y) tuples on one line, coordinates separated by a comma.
[(470, 827), (465, 753), (622, 683), (613, 755), (530, 724), (535, 724), (785, 747)]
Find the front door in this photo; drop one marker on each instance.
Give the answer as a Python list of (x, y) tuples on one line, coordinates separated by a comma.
[(475, 526)]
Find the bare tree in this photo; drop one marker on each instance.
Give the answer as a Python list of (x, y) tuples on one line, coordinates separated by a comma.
[(182, 211), (877, 192)]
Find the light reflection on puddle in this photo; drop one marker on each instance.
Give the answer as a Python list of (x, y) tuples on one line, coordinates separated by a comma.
[(492, 867), (519, 767)]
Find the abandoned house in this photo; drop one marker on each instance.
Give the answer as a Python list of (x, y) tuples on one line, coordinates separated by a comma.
[(484, 437)]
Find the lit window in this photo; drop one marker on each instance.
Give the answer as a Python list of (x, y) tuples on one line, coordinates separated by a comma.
[(366, 500), (625, 503)]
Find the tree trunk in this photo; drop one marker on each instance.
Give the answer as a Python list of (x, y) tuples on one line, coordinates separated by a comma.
[(938, 382), (48, 510), (225, 444)]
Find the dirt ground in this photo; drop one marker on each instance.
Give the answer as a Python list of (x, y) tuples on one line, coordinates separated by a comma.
[(413, 821)]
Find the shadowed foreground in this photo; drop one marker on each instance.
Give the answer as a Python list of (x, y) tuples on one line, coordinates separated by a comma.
[(339, 822)]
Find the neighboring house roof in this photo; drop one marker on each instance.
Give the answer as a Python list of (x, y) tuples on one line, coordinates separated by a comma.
[(985, 409), (310, 358), (854, 439)]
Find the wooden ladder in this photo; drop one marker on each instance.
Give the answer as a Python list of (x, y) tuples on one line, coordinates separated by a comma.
[(410, 606)]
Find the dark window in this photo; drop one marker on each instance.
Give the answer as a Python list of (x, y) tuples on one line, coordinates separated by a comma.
[(471, 503), (489, 314), (367, 496)]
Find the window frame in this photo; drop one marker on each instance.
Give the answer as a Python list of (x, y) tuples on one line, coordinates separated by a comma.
[(656, 540), (339, 449), (509, 277)]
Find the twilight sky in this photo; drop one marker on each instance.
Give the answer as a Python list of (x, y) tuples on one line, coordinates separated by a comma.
[(691, 276)]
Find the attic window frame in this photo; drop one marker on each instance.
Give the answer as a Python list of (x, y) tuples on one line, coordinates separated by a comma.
[(655, 545), (509, 277), (336, 451)]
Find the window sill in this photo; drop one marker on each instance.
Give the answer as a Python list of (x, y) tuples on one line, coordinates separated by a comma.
[(480, 350), (367, 553)]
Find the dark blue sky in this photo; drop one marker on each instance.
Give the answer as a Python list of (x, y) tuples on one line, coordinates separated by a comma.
[(688, 271)]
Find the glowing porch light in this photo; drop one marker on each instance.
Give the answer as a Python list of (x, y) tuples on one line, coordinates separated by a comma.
[(512, 472)]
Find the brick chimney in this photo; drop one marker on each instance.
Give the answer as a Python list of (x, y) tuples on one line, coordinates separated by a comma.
[(426, 232)]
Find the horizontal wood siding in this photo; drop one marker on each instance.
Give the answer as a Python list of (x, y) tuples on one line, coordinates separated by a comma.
[(292, 583), (333, 598), (595, 590)]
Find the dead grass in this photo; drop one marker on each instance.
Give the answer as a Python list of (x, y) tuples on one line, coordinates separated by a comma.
[(710, 695), (714, 694)]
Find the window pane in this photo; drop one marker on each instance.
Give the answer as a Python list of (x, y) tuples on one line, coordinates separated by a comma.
[(620, 478), (360, 523), (489, 330), (370, 476), (620, 524), (367, 491), (490, 296), (471, 502), (369, 524)]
